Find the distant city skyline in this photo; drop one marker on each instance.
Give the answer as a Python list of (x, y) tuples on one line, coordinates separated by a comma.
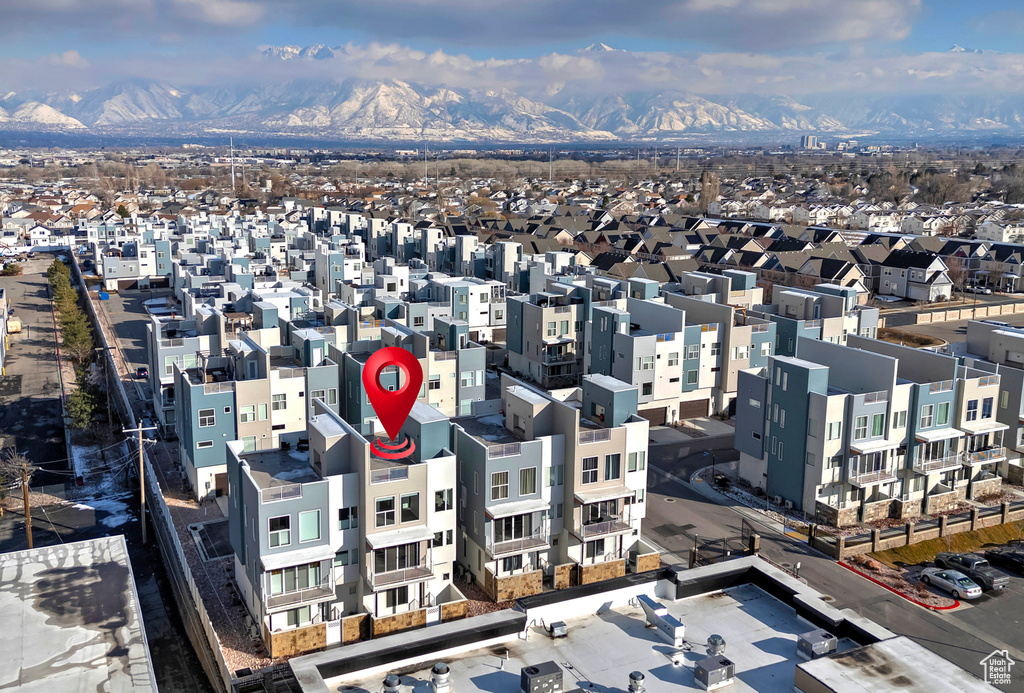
[(768, 47)]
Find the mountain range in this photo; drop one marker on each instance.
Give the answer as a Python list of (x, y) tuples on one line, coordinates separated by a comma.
[(393, 110)]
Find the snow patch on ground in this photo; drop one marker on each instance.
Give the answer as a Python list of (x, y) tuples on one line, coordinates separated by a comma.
[(289, 474), (117, 512)]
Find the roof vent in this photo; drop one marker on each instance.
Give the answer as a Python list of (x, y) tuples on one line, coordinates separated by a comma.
[(439, 678), (392, 684), (716, 645), (636, 682)]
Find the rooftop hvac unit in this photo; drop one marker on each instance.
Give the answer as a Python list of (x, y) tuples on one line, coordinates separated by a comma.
[(545, 677), (816, 643), (558, 629), (714, 672)]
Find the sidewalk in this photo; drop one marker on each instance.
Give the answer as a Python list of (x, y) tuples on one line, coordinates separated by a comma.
[(693, 429)]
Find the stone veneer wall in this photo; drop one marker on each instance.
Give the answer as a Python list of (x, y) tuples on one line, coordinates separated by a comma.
[(297, 641), (648, 561), (942, 502), (905, 510), (879, 510), (563, 576), (980, 489), (355, 628), (835, 517), (514, 586), (399, 622), (600, 572), (453, 611)]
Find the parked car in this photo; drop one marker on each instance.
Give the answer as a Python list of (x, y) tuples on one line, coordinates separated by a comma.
[(952, 581), (142, 372), (975, 567), (1008, 558)]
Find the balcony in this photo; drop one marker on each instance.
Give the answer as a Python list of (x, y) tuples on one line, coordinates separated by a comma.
[(321, 592), (383, 476), (996, 454), (393, 578), (559, 357), (503, 450), (595, 530), (870, 478), (538, 539), (940, 464), (279, 493), (599, 436)]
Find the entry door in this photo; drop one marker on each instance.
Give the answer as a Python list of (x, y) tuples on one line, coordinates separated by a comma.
[(318, 356)]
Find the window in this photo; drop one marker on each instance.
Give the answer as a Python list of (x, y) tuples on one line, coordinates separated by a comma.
[(417, 321), (899, 419), (499, 314), (385, 514), (716, 348), (248, 444), (348, 518), (691, 377), (309, 525), (692, 351), (247, 413), (499, 486), (410, 507), (942, 411), (280, 531), (612, 466), (435, 382), (438, 539), (1004, 399), (647, 363), (396, 597), (766, 348), (207, 418), (636, 461), (878, 425), (278, 402), (341, 559), (673, 358), (317, 394), (512, 563), (527, 481), (169, 362), (648, 389), (263, 411), (202, 444), (972, 410), (810, 459), (443, 500), (860, 428), (556, 475), (595, 549), (552, 329), (589, 470), (927, 415), (332, 396), (986, 408), (227, 410), (835, 429)]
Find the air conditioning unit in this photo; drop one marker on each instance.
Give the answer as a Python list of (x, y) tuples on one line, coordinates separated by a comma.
[(778, 500), (788, 505)]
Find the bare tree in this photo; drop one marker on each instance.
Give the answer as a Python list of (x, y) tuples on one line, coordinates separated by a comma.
[(957, 271), (13, 466)]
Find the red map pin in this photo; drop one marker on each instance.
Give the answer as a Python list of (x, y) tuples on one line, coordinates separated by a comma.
[(392, 406)]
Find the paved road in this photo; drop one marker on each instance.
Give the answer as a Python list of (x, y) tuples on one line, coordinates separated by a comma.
[(964, 637), (30, 389), (956, 330)]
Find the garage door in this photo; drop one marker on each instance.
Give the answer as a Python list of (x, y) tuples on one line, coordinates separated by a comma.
[(695, 409), (655, 416)]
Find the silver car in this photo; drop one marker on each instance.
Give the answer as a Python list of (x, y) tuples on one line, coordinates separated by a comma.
[(952, 581)]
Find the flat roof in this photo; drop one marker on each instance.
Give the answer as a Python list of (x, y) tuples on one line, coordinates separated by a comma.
[(601, 649), (71, 620), (488, 429), (280, 468)]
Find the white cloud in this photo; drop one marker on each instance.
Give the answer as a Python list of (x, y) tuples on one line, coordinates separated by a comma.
[(67, 59), (221, 12)]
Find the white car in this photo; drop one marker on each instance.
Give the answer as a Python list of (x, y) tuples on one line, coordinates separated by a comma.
[(952, 581)]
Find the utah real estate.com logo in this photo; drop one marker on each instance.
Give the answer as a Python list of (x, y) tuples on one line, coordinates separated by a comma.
[(996, 668)]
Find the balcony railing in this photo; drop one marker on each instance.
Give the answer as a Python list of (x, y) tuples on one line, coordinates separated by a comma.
[(877, 476), (559, 358), (279, 493), (444, 355), (812, 324), (598, 529), (666, 337), (418, 572), (383, 476), (873, 397), (370, 323), (325, 590), (985, 456), (988, 381), (939, 464), (598, 436), (563, 309), (538, 539), (940, 386), (503, 450), (754, 329)]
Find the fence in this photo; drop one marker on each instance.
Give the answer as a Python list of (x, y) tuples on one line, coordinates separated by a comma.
[(843, 547)]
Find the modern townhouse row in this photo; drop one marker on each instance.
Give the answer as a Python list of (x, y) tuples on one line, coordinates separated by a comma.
[(869, 430), (545, 495)]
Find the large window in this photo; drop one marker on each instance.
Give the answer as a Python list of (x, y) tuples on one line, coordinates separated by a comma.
[(927, 415), (348, 518), (280, 531), (691, 377), (278, 402), (673, 358), (692, 351), (410, 507), (510, 528), (207, 418), (396, 558), (296, 578), (589, 470), (396, 597), (986, 408), (835, 429), (595, 549), (972, 410), (860, 428), (612, 466), (309, 525), (942, 411), (443, 500), (878, 425), (499, 486), (636, 461), (247, 413), (527, 481), (385, 511)]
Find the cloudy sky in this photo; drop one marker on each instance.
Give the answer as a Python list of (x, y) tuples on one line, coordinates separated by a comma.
[(534, 46)]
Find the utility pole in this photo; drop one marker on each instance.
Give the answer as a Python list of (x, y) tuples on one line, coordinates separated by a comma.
[(677, 159), (232, 141), (142, 478), (28, 508), (551, 158)]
